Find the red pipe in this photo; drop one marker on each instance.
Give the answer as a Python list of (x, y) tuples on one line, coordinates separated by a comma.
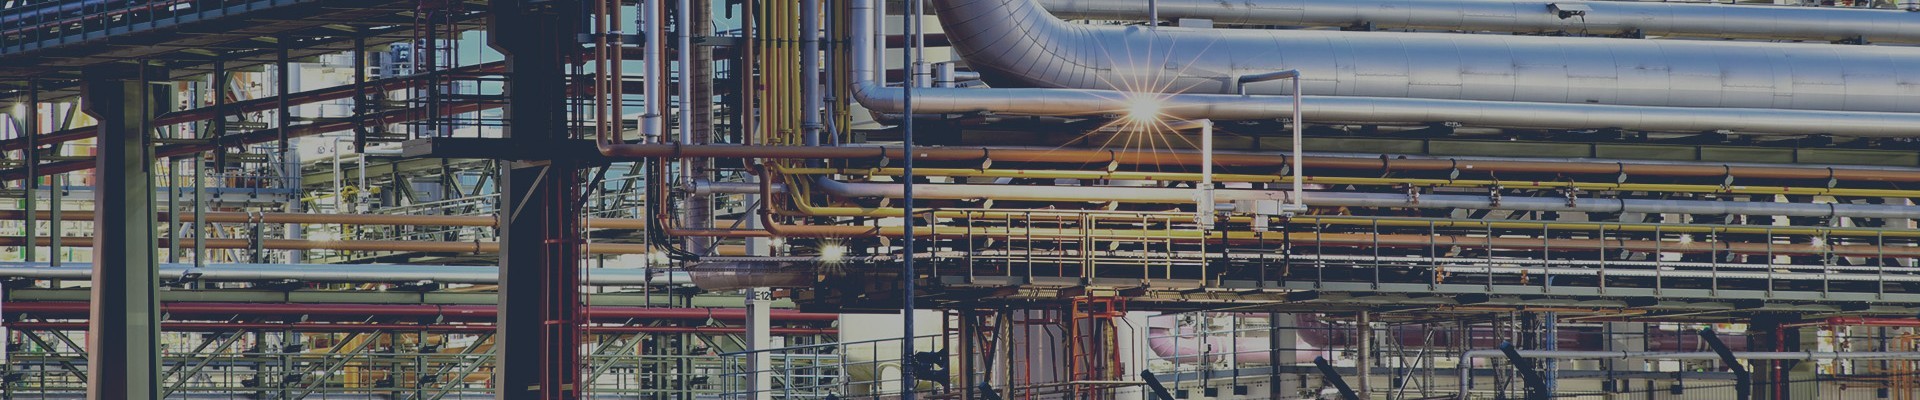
[(452, 328), (474, 312)]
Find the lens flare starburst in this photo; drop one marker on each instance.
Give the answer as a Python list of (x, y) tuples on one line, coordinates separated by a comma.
[(1145, 120)]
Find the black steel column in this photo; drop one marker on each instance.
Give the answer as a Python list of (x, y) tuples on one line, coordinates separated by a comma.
[(123, 327), (538, 339)]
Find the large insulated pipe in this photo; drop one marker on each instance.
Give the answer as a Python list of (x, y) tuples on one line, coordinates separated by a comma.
[(1340, 199), (1402, 111), (1099, 71), (1015, 43), (1612, 18)]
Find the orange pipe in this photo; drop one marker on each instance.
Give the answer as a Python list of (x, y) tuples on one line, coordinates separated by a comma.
[(1181, 157)]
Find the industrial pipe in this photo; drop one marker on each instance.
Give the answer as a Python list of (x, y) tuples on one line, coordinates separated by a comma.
[(345, 273), (353, 245), (1389, 200), (1379, 163), (366, 327), (1400, 111), (477, 312), (1016, 43), (1600, 18)]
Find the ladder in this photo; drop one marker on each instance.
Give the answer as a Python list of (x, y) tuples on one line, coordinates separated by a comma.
[(1094, 343)]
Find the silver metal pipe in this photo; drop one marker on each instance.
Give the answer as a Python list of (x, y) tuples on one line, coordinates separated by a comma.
[(1015, 43), (1485, 81), (1711, 20), (706, 187), (1339, 199), (1397, 111), (810, 71), (652, 121)]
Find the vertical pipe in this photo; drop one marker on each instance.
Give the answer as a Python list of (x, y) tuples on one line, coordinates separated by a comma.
[(1153, 14), (200, 211), (173, 210), (759, 341), (919, 68), (1203, 212), (698, 213), (683, 32), (879, 44), (56, 194), (656, 80), (219, 117), (289, 161), (32, 156), (1363, 366), (907, 273), (744, 73), (1299, 176), (810, 71), (359, 91)]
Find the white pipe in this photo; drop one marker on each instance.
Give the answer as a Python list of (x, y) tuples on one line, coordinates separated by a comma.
[(1498, 113), (1333, 199), (1397, 111), (651, 122), (1204, 209), (1745, 21)]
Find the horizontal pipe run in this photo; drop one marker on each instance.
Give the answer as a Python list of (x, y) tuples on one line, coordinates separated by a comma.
[(345, 273), (343, 219), (356, 245), (457, 312), (1348, 180), (1394, 111), (1692, 20), (1264, 160), (1341, 199), (366, 327)]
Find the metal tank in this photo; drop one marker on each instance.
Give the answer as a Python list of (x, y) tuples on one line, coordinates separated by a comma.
[(1016, 43), (1598, 18)]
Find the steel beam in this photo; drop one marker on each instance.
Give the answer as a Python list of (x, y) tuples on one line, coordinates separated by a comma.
[(124, 326), (539, 331)]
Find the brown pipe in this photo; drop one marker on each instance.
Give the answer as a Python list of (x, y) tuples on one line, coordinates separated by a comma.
[(1183, 157), (774, 228), (357, 245)]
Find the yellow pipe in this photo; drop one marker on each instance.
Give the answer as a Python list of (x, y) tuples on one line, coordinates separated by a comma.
[(1322, 180), (800, 190)]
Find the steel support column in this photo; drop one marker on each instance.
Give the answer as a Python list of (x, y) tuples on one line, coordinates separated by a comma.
[(123, 327), (539, 332)]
